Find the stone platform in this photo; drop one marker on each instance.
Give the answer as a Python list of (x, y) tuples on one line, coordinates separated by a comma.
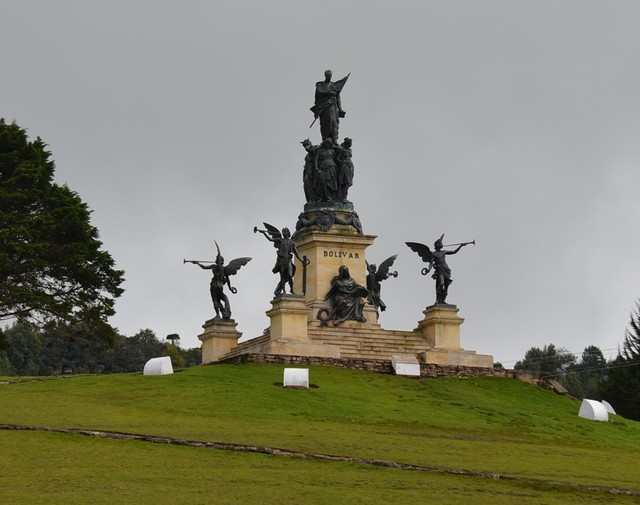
[(368, 341), (296, 329)]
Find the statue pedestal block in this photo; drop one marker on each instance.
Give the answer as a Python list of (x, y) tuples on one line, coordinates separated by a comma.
[(289, 316), (441, 326), (326, 253), (218, 338)]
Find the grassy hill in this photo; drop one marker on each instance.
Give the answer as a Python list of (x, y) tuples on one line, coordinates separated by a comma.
[(354, 437)]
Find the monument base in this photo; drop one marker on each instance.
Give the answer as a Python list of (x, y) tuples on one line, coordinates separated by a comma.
[(218, 338), (449, 357), (441, 326), (289, 336)]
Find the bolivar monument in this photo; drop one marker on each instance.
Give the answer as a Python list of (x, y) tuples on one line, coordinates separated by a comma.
[(327, 300)]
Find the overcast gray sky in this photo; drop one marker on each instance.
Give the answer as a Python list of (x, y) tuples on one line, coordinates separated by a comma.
[(514, 123)]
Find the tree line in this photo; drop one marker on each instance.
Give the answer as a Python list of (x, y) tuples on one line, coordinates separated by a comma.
[(61, 348), (591, 376)]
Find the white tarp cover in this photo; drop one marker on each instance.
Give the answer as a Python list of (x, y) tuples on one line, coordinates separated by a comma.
[(593, 410), (296, 377), (608, 406), (158, 366)]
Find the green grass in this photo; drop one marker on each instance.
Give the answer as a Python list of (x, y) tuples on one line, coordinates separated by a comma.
[(498, 426)]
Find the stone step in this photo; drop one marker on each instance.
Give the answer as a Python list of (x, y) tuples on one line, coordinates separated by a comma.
[(354, 342), (247, 344)]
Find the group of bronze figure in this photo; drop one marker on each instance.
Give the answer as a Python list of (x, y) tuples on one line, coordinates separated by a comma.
[(346, 298), (328, 168), (327, 176)]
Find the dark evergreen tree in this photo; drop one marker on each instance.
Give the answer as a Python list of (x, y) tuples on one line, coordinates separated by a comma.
[(631, 344), (52, 265), (174, 338), (621, 387), (582, 379)]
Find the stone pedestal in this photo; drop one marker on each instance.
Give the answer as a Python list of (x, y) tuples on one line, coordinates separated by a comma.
[(441, 329), (288, 332), (441, 326), (218, 338), (341, 245), (288, 318)]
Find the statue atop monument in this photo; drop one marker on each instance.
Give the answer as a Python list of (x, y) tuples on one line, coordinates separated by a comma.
[(328, 107), (328, 166), (221, 274), (286, 250), (437, 261)]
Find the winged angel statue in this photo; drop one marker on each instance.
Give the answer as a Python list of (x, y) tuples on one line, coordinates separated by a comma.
[(437, 261), (286, 247), (221, 274), (375, 275)]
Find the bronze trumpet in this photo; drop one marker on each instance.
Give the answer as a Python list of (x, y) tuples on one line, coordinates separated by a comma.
[(461, 243), (195, 261)]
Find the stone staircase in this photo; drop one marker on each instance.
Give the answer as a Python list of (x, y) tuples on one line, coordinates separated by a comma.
[(355, 341), (247, 346), (368, 341)]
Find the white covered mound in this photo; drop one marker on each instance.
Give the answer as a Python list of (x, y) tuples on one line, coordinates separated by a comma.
[(591, 409), (158, 366)]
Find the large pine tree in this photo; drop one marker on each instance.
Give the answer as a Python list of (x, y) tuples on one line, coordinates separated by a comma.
[(621, 387), (52, 265)]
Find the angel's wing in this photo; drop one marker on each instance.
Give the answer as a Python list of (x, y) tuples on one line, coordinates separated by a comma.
[(274, 233), (423, 251), (235, 265), (384, 267)]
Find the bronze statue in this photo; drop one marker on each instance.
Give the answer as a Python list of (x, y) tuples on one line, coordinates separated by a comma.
[(309, 172), (284, 263), (436, 260), (374, 278), (328, 171), (328, 107), (326, 174), (345, 169), (221, 274), (346, 298)]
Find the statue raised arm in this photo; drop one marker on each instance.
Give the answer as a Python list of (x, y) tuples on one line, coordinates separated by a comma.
[(221, 274), (286, 248), (436, 260)]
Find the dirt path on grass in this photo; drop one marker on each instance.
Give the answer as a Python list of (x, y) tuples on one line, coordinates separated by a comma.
[(221, 446)]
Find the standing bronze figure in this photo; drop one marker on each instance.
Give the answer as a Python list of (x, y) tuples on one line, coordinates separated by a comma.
[(328, 107), (374, 277), (221, 274), (286, 250), (437, 261)]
